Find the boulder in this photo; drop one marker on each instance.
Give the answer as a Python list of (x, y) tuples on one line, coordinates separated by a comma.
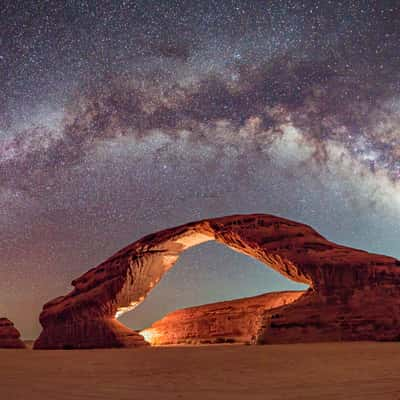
[(9, 335)]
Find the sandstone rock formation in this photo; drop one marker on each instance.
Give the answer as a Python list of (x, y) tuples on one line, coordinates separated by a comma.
[(353, 295), (234, 321), (9, 335)]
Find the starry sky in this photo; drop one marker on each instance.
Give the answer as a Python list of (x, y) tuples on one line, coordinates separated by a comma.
[(121, 118)]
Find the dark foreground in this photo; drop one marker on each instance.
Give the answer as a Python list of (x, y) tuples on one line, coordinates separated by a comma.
[(303, 371)]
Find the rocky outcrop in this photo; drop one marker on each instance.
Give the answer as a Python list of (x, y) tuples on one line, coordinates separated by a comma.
[(354, 295), (234, 321), (9, 335)]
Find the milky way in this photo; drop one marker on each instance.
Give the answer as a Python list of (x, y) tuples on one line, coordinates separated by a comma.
[(121, 119)]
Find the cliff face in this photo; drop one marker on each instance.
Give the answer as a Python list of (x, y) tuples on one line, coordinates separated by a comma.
[(354, 294), (234, 321), (9, 335)]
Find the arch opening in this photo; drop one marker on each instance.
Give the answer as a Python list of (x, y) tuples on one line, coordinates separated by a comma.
[(212, 295), (164, 255)]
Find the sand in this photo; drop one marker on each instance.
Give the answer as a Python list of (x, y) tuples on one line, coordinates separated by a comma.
[(303, 371)]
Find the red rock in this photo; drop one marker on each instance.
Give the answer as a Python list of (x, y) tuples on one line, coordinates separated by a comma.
[(354, 295), (234, 321), (9, 335)]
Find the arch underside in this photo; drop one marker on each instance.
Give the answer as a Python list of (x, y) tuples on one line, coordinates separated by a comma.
[(346, 285)]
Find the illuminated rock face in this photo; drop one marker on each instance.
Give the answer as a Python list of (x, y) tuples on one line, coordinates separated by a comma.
[(234, 321), (354, 295), (9, 335)]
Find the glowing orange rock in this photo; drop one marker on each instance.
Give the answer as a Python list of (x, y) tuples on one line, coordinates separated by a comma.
[(353, 295), (233, 321), (9, 335)]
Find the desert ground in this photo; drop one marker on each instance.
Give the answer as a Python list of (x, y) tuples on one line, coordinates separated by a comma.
[(301, 371)]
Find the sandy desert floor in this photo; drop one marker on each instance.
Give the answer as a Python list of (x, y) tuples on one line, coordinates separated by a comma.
[(304, 371)]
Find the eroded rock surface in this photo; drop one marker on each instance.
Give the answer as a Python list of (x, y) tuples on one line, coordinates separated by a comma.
[(9, 335), (234, 321), (354, 295)]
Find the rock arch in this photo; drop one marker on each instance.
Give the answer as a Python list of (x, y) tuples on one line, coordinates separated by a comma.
[(353, 294)]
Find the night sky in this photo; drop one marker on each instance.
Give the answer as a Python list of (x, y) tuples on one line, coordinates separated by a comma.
[(121, 118)]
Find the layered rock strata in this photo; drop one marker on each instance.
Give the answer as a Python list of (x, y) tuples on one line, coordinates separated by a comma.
[(354, 295), (234, 321), (9, 335)]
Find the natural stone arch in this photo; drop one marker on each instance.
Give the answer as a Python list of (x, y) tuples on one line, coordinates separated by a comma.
[(338, 277)]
